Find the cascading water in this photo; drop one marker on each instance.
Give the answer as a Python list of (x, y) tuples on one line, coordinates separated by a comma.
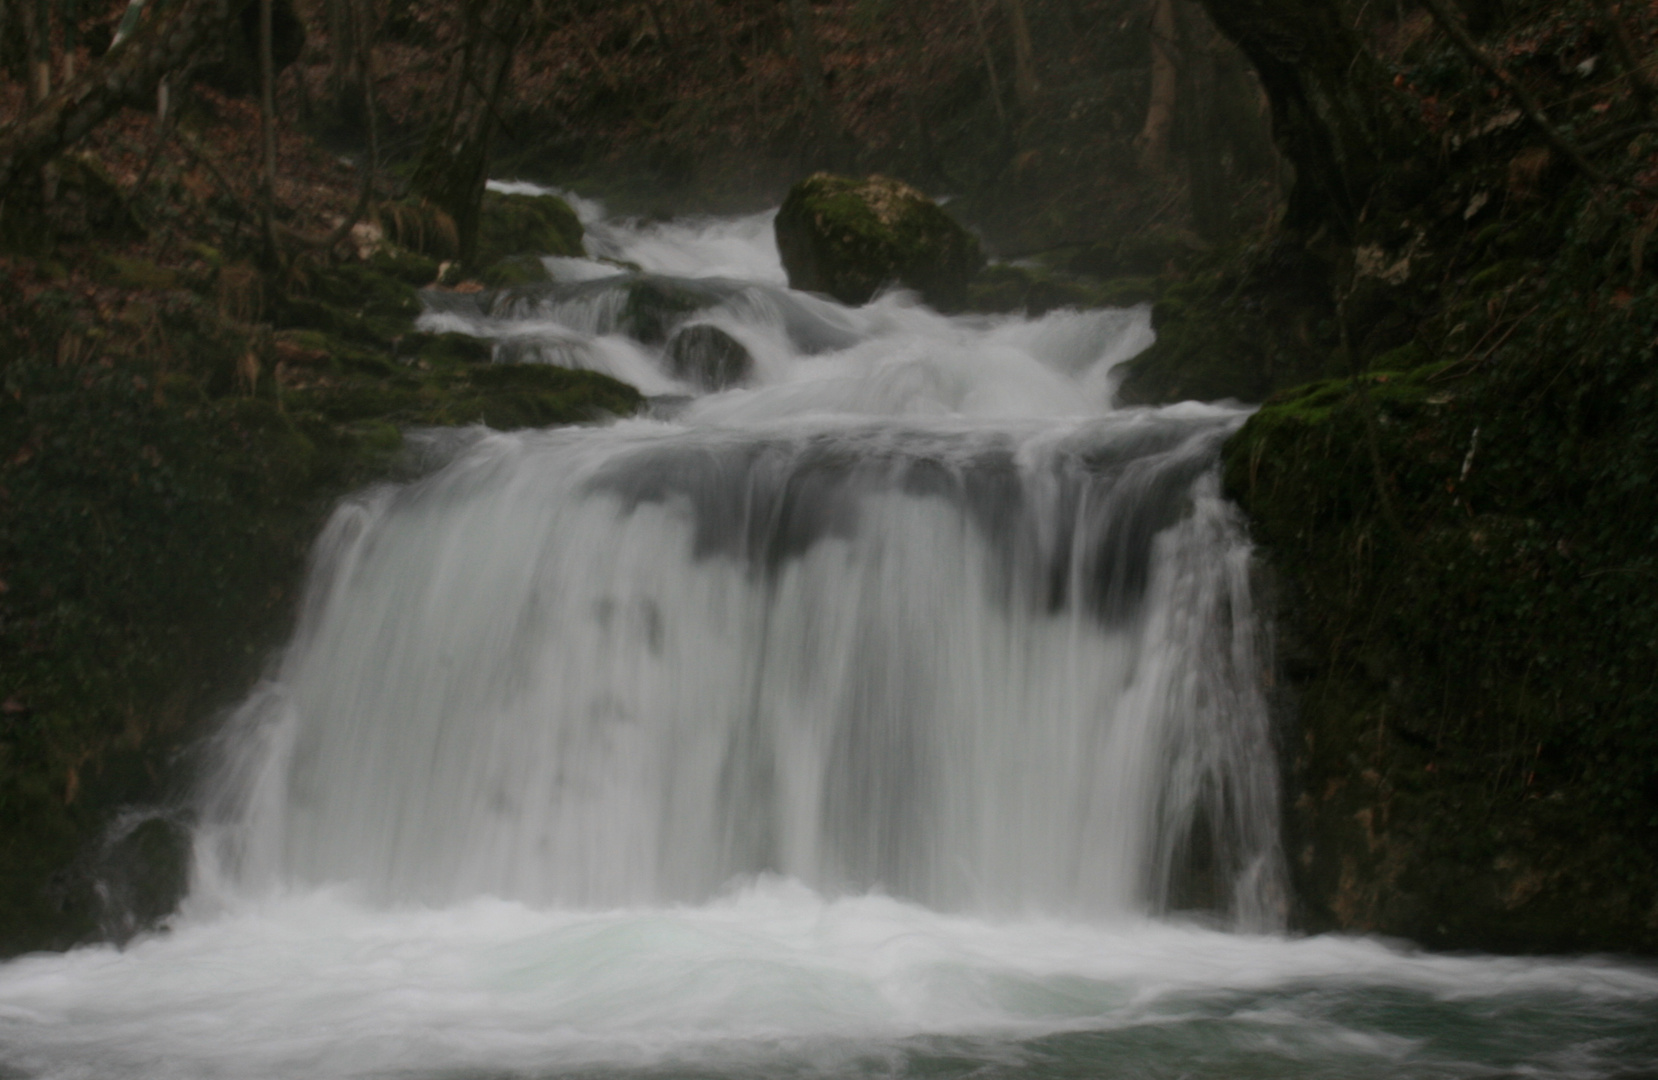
[(896, 712)]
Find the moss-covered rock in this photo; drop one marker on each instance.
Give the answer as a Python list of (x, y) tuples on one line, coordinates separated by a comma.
[(526, 225), (708, 357), (408, 267), (1467, 621), (508, 396), (515, 270), (446, 350), (850, 237)]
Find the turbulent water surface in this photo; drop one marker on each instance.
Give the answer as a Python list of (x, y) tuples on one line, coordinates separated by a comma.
[(894, 711)]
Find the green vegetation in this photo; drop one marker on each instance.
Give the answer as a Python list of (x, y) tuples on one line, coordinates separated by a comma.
[(526, 225)]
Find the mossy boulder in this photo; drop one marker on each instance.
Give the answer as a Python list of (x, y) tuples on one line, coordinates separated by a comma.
[(851, 237), (708, 357), (536, 395), (526, 225), (516, 270)]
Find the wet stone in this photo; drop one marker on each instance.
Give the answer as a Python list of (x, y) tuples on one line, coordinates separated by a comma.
[(708, 357)]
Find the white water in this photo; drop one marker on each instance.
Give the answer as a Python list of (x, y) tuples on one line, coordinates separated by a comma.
[(874, 717)]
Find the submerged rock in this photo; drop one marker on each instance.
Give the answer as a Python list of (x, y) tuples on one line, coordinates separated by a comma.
[(526, 225), (654, 304), (708, 357), (850, 237)]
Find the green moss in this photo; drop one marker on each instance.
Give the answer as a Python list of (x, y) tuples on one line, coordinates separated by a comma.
[(1412, 354), (131, 273), (850, 237), (535, 395), (353, 302), (408, 267), (526, 225), (1128, 291), (515, 270), (451, 350)]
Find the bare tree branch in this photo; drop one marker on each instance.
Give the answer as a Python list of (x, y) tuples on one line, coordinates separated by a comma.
[(159, 46)]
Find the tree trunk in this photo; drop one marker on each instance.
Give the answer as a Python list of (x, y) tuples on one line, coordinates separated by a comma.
[(929, 166), (811, 76), (345, 74), (8, 36), (267, 132), (989, 66), (165, 42), (454, 165), (38, 26), (1024, 57), (1327, 96), (1165, 89), (71, 37)]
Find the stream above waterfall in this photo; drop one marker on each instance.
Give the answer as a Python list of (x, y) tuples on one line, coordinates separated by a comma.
[(898, 708)]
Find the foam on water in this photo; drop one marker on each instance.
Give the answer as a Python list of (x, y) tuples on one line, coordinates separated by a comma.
[(899, 711), (776, 980)]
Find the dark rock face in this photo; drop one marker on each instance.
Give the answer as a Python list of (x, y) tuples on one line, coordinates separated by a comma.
[(708, 357), (849, 237), (1464, 702)]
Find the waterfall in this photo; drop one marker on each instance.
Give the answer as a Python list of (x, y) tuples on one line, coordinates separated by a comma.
[(916, 612), (889, 706)]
